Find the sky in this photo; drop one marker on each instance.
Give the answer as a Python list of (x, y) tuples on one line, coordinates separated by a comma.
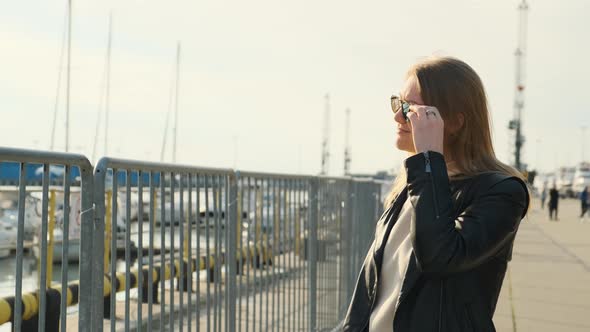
[(253, 76)]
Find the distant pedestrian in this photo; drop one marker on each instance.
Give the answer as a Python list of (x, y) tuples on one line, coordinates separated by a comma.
[(543, 197), (553, 202), (584, 201)]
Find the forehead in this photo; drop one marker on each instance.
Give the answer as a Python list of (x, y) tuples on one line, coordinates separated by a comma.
[(411, 91)]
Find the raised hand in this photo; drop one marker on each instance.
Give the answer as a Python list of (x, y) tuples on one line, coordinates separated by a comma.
[(427, 128)]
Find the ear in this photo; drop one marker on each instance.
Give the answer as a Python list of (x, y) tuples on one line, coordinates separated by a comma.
[(457, 125)]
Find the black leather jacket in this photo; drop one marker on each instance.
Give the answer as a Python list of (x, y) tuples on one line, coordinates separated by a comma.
[(462, 236)]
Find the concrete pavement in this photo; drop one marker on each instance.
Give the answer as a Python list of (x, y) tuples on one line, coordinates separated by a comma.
[(547, 287)]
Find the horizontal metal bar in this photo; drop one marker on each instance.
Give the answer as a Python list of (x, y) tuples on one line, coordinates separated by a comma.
[(43, 157), (262, 175), (60, 158), (284, 176), (146, 166)]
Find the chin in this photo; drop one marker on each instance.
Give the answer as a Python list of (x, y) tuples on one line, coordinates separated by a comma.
[(404, 145)]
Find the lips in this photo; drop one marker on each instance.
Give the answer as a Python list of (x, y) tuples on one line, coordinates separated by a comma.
[(400, 130)]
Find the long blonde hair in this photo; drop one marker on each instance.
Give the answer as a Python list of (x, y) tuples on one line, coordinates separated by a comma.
[(454, 88)]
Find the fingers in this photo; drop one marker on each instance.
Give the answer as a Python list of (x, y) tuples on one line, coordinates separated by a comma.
[(421, 115), (412, 115), (425, 111), (427, 128)]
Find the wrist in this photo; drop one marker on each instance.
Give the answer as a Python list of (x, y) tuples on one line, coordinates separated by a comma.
[(433, 149)]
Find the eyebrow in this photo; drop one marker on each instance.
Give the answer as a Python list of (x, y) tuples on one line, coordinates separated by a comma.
[(409, 101)]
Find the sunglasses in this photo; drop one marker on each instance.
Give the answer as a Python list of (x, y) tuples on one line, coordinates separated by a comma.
[(398, 104)]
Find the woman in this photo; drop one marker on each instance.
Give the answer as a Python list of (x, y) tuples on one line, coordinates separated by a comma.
[(584, 201), (443, 244), (553, 202)]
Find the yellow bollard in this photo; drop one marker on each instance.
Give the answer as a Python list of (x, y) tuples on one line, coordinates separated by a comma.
[(51, 226), (108, 232), (264, 249), (156, 214), (50, 244), (186, 230), (297, 225), (277, 236), (259, 203), (239, 221), (287, 219), (5, 311)]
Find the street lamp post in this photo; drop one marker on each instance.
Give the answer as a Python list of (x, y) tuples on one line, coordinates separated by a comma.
[(538, 141), (583, 129)]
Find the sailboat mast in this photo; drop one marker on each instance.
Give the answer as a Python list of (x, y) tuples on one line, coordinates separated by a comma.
[(108, 87), (68, 75), (173, 98), (59, 75), (347, 156), (103, 97), (326, 138), (175, 131)]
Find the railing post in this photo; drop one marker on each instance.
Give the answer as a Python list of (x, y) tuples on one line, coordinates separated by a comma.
[(231, 265), (348, 249), (91, 296), (108, 230), (50, 244), (313, 248)]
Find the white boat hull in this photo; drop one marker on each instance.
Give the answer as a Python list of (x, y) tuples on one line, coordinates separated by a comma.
[(72, 254)]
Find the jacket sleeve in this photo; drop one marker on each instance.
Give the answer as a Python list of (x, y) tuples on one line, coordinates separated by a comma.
[(483, 228)]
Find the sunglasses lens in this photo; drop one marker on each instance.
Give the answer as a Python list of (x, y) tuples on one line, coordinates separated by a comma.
[(396, 105), (399, 105), (405, 109)]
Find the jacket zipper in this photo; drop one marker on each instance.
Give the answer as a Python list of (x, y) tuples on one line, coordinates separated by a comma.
[(428, 170), (365, 328)]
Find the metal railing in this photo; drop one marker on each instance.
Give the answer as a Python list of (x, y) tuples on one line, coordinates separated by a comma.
[(33, 307), (171, 247), (168, 286), (347, 213), (275, 296)]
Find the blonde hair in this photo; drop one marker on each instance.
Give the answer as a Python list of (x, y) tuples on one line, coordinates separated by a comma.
[(456, 90)]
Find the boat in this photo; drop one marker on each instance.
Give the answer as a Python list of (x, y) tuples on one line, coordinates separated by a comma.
[(204, 218), (32, 217), (565, 178), (7, 239), (74, 245), (74, 232), (581, 178)]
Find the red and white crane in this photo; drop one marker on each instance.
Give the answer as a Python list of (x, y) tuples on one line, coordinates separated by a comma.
[(516, 123)]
